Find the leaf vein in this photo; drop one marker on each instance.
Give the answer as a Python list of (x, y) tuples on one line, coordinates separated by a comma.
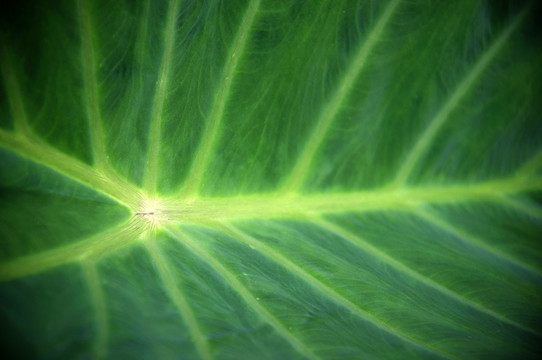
[(324, 288), (211, 132), (426, 139), (13, 90), (474, 241), (382, 256), (159, 99), (92, 96), (103, 181), (98, 301), (242, 291), (332, 108), (178, 297)]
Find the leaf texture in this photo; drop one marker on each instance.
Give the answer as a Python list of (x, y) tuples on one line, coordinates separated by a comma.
[(271, 179)]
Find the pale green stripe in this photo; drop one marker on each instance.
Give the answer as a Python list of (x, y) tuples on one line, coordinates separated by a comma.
[(92, 96), (531, 167), (331, 109), (383, 257), (453, 229), (94, 247), (13, 90), (242, 291), (325, 289), (176, 295), (226, 209), (98, 301), (272, 206), (426, 139), (522, 206), (210, 135), (103, 181), (162, 83)]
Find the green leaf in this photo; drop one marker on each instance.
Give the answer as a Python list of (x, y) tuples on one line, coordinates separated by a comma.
[(271, 179)]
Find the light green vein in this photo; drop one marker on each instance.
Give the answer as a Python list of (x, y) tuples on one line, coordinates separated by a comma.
[(13, 90), (140, 50), (273, 206), (105, 182), (226, 209), (381, 256), (92, 96), (531, 167), (332, 108), (98, 301), (426, 139), (185, 239), (454, 230), (94, 246), (176, 295), (210, 134), (324, 288), (522, 206), (162, 83)]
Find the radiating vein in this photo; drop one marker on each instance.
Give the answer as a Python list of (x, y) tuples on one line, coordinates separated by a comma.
[(176, 295), (98, 301), (247, 296), (522, 206), (95, 246), (454, 230), (92, 97), (531, 167), (383, 257), (325, 289), (13, 90), (428, 136), (161, 89), (105, 182), (210, 134), (332, 108), (140, 52), (227, 209)]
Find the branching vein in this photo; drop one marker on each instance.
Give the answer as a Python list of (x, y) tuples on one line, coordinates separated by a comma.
[(366, 247), (13, 90), (92, 96), (426, 139), (243, 292), (105, 182), (92, 247), (453, 229), (98, 301), (176, 295), (531, 167), (522, 206), (212, 128), (324, 288), (226, 209), (160, 98), (332, 108)]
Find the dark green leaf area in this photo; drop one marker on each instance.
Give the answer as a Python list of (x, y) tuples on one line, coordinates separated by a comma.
[(47, 316), (41, 209)]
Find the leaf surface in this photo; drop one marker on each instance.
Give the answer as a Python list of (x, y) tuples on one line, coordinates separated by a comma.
[(271, 179)]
